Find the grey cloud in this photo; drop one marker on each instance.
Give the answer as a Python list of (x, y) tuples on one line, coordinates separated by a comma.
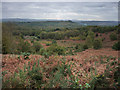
[(61, 10)]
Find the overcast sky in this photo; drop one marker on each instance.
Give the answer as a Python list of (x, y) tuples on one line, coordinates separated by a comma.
[(60, 0), (102, 11)]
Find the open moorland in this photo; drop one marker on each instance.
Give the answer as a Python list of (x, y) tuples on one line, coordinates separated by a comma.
[(60, 54)]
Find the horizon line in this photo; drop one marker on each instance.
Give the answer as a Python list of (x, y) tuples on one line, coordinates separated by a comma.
[(59, 19)]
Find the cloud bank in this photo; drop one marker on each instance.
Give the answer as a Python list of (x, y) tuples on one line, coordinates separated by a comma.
[(102, 11)]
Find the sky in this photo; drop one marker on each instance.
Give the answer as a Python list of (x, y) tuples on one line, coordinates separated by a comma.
[(100, 11), (60, 0)]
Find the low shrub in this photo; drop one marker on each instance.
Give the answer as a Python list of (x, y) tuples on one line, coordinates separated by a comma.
[(32, 41), (26, 55), (75, 38), (70, 52), (54, 42), (23, 47), (99, 81), (116, 46), (81, 47), (82, 37), (113, 36), (117, 76), (37, 46), (55, 49), (85, 47), (103, 38), (97, 44), (46, 55), (41, 51), (96, 35), (48, 44), (89, 41)]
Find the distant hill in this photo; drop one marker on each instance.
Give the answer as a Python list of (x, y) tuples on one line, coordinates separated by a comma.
[(79, 22), (99, 23), (24, 24), (28, 20), (18, 20)]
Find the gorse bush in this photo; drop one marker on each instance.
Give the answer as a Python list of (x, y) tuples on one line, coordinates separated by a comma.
[(89, 42), (99, 81), (91, 34), (81, 47), (116, 46), (97, 44), (55, 49), (82, 36), (113, 36), (37, 46), (90, 39), (23, 46)]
